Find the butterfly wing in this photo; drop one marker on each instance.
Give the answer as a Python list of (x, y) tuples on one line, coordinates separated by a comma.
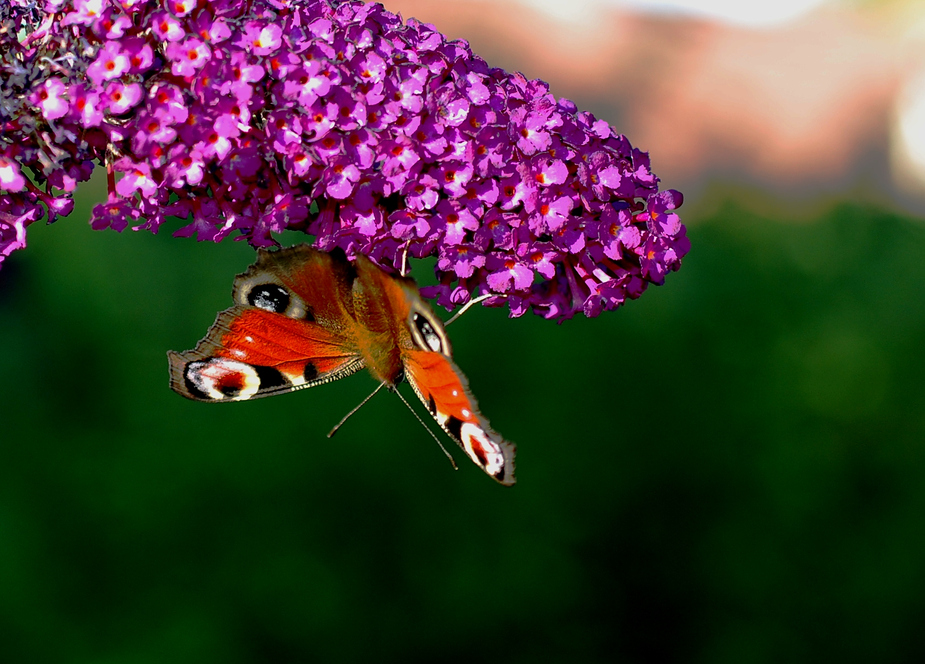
[(443, 388), (292, 327), (394, 303)]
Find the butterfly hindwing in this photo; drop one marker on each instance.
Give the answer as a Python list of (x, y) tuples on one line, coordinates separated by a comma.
[(303, 284)]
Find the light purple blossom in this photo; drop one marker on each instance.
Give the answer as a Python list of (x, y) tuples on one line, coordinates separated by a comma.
[(250, 117), (187, 57), (137, 178), (262, 39), (111, 63), (86, 12), (11, 178), (166, 27), (50, 98), (507, 273), (119, 97)]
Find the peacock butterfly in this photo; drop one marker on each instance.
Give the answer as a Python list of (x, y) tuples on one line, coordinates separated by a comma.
[(303, 317)]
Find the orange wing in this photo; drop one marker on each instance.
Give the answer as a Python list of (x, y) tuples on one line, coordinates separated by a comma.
[(250, 353), (443, 388), (291, 328)]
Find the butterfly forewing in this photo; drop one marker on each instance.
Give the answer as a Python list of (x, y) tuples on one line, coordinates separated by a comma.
[(442, 387), (252, 353), (291, 329)]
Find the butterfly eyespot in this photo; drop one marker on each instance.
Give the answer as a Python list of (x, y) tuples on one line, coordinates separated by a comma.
[(428, 334), (269, 297), (218, 379), (483, 450)]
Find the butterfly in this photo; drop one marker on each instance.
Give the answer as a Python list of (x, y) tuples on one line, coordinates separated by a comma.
[(303, 317)]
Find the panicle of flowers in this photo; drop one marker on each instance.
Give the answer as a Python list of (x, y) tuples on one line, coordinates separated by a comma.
[(249, 117)]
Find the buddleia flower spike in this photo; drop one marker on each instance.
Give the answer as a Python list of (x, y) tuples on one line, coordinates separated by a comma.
[(245, 118)]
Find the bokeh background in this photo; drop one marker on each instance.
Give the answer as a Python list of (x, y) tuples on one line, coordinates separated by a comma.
[(730, 469)]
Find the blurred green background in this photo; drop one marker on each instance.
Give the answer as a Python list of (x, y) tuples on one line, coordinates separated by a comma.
[(730, 469)]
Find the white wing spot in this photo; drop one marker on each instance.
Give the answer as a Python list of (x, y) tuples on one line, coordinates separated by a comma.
[(249, 339), (455, 393), (473, 436), (211, 374), (466, 412)]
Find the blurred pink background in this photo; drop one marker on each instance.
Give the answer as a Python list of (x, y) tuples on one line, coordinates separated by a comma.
[(827, 105)]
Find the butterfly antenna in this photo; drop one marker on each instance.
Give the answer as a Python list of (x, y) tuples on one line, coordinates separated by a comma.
[(348, 415), (423, 424), (469, 304)]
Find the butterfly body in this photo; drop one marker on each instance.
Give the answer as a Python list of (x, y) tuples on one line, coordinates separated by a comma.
[(303, 317)]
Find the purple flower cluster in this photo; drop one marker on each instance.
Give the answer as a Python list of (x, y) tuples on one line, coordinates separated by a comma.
[(250, 117)]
